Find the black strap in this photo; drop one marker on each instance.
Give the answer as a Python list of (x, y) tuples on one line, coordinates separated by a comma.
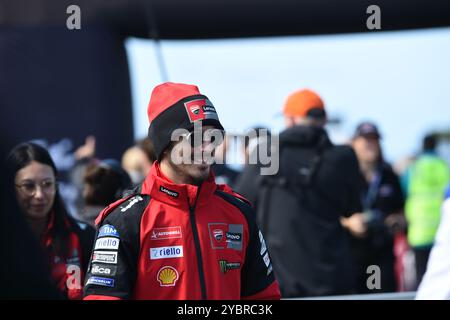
[(316, 161)]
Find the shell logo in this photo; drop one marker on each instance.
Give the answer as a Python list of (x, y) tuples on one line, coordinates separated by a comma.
[(167, 276)]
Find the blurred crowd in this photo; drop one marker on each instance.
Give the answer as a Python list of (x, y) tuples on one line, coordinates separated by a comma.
[(337, 219)]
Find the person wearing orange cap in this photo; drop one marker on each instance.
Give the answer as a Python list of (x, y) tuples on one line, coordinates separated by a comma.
[(304, 107), (299, 208)]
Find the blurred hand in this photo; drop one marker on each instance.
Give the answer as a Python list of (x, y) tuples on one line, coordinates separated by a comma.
[(356, 224), (87, 150)]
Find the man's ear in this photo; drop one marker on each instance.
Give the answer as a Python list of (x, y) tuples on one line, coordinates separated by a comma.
[(167, 150)]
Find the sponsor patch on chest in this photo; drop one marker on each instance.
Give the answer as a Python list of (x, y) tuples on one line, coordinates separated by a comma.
[(166, 252), (107, 243), (223, 235), (165, 233)]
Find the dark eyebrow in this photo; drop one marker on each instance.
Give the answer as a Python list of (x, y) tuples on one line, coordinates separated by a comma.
[(33, 181), (27, 181)]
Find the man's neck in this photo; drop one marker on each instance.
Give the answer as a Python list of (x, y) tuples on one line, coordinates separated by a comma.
[(169, 172)]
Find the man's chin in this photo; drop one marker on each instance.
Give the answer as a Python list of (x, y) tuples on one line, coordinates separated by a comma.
[(203, 167), (200, 171)]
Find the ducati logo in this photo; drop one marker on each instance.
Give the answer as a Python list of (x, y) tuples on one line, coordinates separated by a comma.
[(195, 110), (200, 109), (218, 234)]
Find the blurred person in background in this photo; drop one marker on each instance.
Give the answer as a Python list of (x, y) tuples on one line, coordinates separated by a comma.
[(138, 159), (254, 138), (405, 268), (83, 156), (147, 145), (66, 242), (104, 183), (299, 208), (425, 181), (222, 170), (372, 241), (435, 284)]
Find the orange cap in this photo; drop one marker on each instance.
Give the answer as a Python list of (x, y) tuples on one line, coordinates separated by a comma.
[(301, 102)]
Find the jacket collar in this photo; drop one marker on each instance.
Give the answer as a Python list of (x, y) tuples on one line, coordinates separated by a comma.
[(160, 188)]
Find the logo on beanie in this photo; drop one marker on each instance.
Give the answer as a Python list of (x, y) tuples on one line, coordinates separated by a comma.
[(200, 109), (195, 110)]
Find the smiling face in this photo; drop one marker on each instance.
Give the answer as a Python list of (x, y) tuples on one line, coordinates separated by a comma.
[(200, 157), (35, 189)]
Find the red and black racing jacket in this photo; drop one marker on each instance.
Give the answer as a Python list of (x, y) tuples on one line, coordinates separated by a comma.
[(174, 241)]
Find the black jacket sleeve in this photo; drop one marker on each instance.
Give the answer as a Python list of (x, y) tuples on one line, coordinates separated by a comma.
[(113, 265), (354, 181), (396, 199), (257, 276), (86, 234)]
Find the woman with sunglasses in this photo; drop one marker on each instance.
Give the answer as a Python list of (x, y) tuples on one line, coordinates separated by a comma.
[(67, 243)]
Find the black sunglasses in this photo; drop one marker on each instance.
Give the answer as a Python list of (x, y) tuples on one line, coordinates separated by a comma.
[(196, 138)]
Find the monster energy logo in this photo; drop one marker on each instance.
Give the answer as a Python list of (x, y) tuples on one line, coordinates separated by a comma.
[(225, 266)]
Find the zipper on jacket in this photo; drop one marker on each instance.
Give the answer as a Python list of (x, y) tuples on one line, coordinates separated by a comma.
[(198, 251)]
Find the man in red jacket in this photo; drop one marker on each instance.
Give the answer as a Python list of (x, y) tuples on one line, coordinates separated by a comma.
[(180, 236)]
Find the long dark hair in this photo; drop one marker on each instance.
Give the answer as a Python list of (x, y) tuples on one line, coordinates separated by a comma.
[(21, 156)]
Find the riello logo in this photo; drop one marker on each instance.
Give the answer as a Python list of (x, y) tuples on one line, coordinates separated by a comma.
[(166, 252), (107, 243)]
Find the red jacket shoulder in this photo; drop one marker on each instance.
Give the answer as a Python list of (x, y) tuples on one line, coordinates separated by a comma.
[(225, 188)]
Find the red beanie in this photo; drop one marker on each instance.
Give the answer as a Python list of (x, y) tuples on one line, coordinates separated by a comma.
[(177, 106)]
